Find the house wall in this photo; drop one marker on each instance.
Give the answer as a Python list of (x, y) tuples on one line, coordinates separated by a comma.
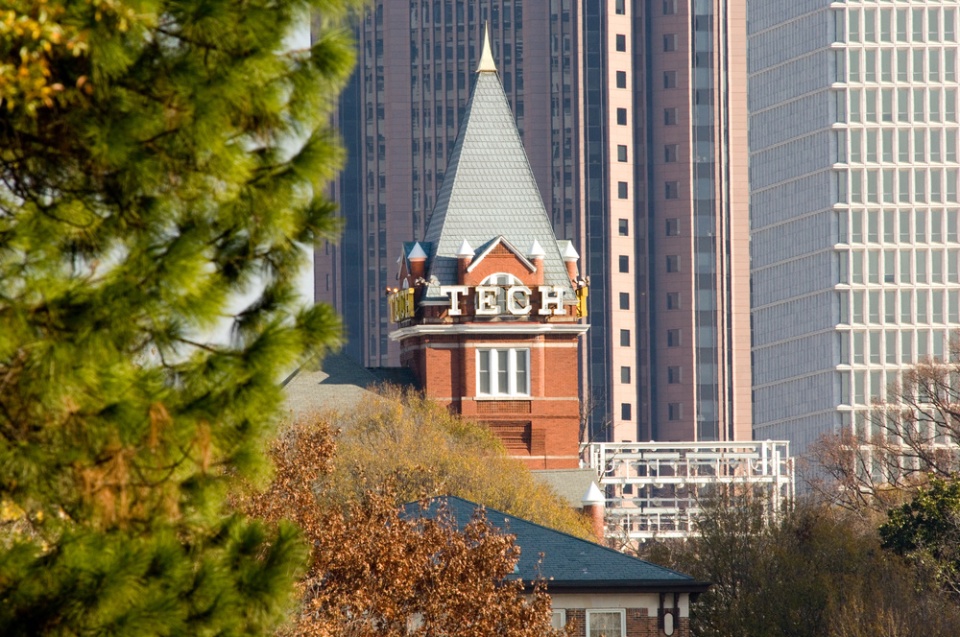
[(641, 611)]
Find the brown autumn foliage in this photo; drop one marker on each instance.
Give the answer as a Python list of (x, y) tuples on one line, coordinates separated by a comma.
[(424, 451), (375, 572)]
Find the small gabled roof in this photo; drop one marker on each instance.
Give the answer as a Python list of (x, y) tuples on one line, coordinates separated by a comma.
[(567, 563), (489, 190), (487, 249)]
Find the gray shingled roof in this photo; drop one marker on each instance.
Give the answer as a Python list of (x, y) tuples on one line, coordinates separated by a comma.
[(339, 383), (569, 484), (489, 190), (568, 563)]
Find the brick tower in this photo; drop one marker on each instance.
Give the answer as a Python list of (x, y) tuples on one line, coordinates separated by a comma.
[(489, 303)]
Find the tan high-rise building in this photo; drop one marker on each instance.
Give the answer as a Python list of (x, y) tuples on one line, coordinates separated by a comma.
[(633, 116)]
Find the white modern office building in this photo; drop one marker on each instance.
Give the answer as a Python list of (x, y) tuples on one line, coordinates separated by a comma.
[(854, 212)]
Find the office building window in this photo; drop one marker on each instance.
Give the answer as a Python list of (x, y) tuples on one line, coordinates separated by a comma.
[(620, 7), (673, 300), (624, 300), (670, 153), (673, 338), (671, 190), (624, 338), (626, 413), (622, 190), (625, 375), (621, 79), (670, 42), (624, 263), (669, 7), (673, 227), (503, 372), (673, 263), (623, 227), (674, 411), (670, 116), (621, 152), (621, 42), (673, 375), (621, 117), (669, 79)]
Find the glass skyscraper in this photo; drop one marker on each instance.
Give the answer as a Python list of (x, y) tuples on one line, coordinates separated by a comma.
[(854, 167)]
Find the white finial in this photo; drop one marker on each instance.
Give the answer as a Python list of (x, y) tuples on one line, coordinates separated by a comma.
[(417, 252), (536, 250), (465, 250), (593, 495), (487, 65)]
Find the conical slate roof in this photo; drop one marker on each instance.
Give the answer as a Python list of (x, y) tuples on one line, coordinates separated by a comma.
[(489, 190)]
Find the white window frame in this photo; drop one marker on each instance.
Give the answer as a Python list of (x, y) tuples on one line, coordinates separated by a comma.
[(558, 618), (516, 358), (620, 611)]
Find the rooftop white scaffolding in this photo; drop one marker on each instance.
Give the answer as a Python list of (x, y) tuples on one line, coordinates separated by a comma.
[(656, 490)]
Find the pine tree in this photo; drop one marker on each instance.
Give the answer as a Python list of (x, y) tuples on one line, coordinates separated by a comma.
[(160, 159)]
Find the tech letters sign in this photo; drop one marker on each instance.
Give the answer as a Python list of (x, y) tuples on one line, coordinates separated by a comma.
[(488, 300), (492, 300)]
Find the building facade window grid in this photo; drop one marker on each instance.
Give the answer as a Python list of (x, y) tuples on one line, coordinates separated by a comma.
[(898, 278)]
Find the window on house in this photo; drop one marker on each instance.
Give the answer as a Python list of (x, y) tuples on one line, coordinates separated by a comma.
[(673, 300), (673, 263), (669, 79), (670, 116), (621, 79), (623, 227), (621, 152), (621, 42), (673, 338), (673, 375), (624, 338), (673, 227), (503, 372), (624, 300), (558, 619), (674, 411), (622, 190), (608, 623), (621, 117), (624, 263), (625, 375)]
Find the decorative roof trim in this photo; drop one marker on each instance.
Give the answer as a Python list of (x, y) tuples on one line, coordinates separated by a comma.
[(444, 329), (509, 246)]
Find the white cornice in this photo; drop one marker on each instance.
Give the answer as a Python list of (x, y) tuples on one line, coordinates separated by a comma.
[(459, 329)]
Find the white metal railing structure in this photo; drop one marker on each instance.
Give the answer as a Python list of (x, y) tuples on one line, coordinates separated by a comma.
[(656, 490)]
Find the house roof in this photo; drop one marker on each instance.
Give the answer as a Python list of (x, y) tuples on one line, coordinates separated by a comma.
[(567, 563), (489, 190), (569, 484), (340, 382)]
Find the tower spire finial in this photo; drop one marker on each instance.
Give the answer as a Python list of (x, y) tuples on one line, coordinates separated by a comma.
[(487, 65)]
